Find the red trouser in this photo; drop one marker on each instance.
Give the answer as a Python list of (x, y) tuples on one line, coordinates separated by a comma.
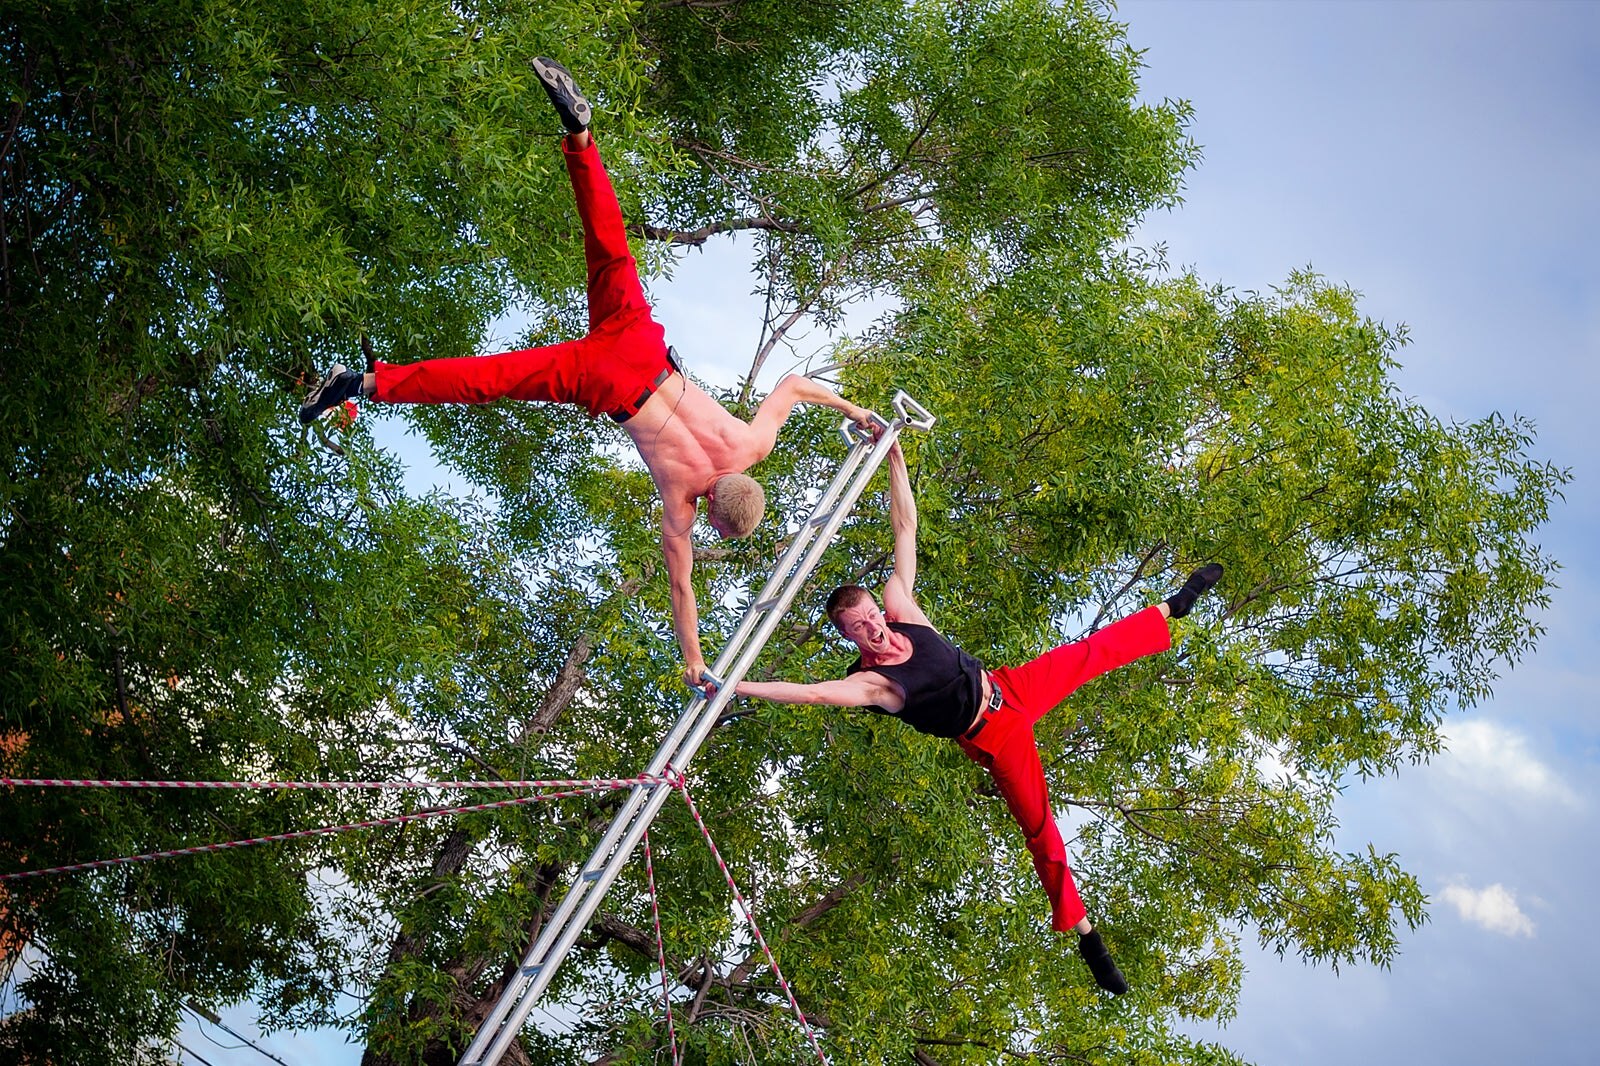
[(623, 354), (1006, 748)]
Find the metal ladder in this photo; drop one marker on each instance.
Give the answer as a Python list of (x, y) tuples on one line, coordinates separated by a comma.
[(690, 731)]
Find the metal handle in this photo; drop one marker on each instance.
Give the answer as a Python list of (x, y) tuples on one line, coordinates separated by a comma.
[(710, 684), (904, 406), (852, 432)]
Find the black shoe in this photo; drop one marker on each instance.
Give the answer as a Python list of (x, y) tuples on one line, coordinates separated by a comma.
[(563, 91), (1199, 583), (340, 385), (1105, 971)]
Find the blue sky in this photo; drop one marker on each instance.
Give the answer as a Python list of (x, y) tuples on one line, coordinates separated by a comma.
[(1440, 157)]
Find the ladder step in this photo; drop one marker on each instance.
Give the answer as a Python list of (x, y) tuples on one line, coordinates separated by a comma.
[(824, 518), (592, 875), (766, 605)]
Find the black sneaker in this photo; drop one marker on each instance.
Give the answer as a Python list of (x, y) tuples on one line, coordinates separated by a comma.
[(340, 385), (563, 92), (1098, 956)]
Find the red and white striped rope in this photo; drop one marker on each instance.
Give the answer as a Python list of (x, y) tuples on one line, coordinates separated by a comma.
[(558, 782), (683, 790), (572, 787), (661, 951), (591, 787)]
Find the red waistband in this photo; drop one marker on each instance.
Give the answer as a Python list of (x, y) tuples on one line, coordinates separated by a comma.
[(628, 410)]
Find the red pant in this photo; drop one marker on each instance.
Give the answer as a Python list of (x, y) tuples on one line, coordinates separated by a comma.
[(1006, 748), (623, 353)]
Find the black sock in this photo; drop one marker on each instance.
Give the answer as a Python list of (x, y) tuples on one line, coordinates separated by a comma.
[(1180, 602), (1098, 956), (349, 385)]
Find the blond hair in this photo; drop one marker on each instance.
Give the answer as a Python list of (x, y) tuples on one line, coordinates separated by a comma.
[(739, 501)]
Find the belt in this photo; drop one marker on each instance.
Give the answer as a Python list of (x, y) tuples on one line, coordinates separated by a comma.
[(627, 411), (996, 701)]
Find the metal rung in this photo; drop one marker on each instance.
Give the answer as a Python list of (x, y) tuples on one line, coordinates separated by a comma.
[(822, 519), (765, 605), (591, 875)]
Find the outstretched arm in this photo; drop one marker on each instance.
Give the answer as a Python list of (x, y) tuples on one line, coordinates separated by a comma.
[(779, 404), (865, 689), (677, 548), (899, 603)]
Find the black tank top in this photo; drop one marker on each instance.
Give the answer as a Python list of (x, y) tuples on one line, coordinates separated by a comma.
[(942, 683)]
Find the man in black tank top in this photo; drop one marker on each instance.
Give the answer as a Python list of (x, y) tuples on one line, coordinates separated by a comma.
[(908, 670)]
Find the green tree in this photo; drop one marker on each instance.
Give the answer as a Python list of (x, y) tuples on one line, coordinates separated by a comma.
[(206, 201)]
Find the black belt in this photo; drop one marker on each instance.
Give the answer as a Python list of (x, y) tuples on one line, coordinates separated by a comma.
[(622, 414), (996, 701)]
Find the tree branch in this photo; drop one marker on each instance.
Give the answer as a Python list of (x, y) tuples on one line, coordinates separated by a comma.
[(806, 918), (696, 237), (788, 323), (1138, 572)]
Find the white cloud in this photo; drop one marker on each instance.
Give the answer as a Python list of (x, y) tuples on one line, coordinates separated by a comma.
[(1498, 758), (1494, 908)]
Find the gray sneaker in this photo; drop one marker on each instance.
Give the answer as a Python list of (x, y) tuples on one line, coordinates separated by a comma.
[(339, 385), (564, 95)]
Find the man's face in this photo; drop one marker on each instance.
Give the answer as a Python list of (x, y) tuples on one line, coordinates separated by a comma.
[(864, 626)]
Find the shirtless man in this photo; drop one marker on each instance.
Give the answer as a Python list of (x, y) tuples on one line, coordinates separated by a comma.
[(907, 669), (691, 445)]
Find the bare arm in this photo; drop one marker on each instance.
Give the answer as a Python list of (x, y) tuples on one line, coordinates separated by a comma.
[(779, 404), (899, 603), (865, 689), (678, 551)]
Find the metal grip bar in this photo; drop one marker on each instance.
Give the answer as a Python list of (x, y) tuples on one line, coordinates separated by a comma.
[(852, 432), (687, 735), (904, 406)]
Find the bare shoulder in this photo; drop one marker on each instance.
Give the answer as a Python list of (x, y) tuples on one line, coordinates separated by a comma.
[(730, 444)]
